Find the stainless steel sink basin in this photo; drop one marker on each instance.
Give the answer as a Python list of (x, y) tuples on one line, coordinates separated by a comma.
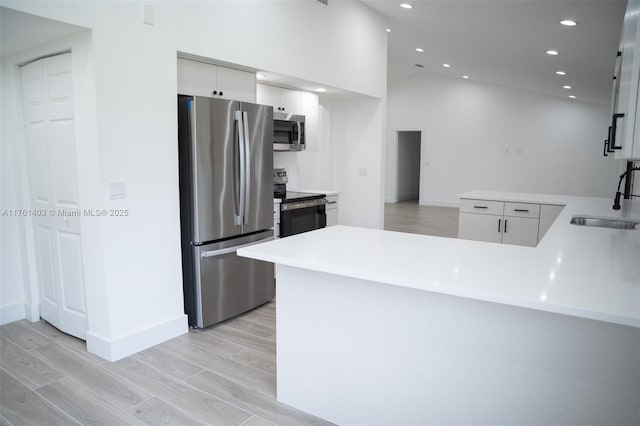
[(605, 222)]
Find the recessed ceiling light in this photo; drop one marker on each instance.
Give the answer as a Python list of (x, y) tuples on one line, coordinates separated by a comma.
[(552, 52), (388, 30), (419, 65), (569, 22), (446, 65), (260, 76), (566, 87), (406, 6), (572, 97), (465, 77), (561, 73), (320, 89), (419, 50)]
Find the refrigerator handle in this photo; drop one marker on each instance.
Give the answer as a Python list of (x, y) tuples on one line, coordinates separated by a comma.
[(247, 165), (239, 219), (220, 252)]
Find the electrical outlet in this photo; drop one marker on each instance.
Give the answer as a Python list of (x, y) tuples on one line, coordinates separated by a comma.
[(149, 17), (117, 190), (362, 171)]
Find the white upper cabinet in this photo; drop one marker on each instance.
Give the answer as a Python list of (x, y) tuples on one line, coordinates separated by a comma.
[(282, 100), (293, 102), (625, 121), (202, 79)]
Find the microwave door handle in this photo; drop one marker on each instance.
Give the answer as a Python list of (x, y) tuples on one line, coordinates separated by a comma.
[(247, 165), (299, 134), (294, 133), (239, 219)]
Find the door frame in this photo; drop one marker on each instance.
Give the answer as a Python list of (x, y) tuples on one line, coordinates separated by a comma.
[(85, 130), (394, 164)]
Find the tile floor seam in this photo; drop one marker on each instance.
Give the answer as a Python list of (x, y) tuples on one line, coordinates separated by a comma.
[(221, 373), (187, 414), (41, 397), (102, 400), (186, 384)]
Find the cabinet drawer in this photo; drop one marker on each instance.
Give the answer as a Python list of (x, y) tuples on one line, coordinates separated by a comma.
[(522, 210), (332, 202), (482, 206)]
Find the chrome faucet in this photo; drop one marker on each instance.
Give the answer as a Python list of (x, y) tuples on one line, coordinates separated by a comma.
[(616, 201)]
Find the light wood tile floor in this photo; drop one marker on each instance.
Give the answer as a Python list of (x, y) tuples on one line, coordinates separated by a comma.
[(221, 375), (409, 216)]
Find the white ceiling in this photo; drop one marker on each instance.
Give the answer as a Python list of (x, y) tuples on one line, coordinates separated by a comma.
[(493, 41), (504, 42), (21, 31)]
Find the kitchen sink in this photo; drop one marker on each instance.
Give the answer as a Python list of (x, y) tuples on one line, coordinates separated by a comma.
[(605, 222)]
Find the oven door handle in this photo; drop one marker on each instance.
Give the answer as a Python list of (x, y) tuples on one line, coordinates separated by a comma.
[(303, 204)]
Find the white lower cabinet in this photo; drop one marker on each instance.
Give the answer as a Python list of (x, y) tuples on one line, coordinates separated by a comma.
[(332, 210), (480, 227), (520, 231), (499, 222)]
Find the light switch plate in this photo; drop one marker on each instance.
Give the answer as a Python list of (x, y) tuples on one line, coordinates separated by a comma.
[(362, 171), (117, 190)]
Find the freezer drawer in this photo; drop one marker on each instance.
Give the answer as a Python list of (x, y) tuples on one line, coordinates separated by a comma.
[(226, 284)]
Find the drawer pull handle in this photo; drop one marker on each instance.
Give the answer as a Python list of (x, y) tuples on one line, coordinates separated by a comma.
[(614, 129), (505, 226), (522, 210), (480, 207), (499, 223)]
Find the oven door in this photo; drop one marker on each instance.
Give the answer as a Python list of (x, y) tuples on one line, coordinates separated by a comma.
[(302, 216)]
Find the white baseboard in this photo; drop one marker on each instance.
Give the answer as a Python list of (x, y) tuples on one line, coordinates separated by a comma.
[(407, 197), (11, 313), (121, 347), (32, 312), (440, 203)]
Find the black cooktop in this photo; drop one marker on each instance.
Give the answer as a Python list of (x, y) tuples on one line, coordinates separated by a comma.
[(291, 196)]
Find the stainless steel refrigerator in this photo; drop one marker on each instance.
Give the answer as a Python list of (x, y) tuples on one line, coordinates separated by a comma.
[(226, 202)]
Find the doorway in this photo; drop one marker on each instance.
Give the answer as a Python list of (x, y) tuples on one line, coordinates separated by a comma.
[(408, 165), (47, 97)]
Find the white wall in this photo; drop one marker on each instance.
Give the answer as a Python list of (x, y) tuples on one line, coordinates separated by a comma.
[(311, 168), (408, 165), (12, 250), (479, 136), (357, 129), (16, 193), (134, 276)]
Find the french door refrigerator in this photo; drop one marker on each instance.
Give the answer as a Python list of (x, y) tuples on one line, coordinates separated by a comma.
[(226, 202)]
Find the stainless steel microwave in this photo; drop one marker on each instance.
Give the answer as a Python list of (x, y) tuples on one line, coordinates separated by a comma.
[(288, 132)]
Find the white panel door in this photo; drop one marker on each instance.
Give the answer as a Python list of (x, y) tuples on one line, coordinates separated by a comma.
[(51, 150)]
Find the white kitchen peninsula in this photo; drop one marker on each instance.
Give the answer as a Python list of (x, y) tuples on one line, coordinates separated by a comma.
[(378, 327)]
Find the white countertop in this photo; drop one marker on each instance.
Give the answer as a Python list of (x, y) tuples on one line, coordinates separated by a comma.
[(581, 271)]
